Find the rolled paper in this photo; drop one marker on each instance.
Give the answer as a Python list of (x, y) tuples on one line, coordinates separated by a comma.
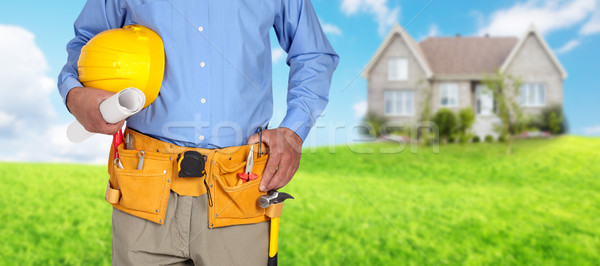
[(114, 109)]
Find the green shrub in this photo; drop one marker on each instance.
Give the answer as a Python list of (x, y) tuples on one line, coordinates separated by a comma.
[(554, 123), (451, 139), (375, 121), (464, 138), (552, 119), (489, 138), (502, 138), (466, 118), (446, 122), (476, 139)]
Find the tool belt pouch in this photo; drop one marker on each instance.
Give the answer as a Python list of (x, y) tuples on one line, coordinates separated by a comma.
[(230, 203), (143, 193)]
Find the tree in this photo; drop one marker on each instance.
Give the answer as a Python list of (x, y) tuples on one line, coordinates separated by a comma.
[(424, 133), (466, 118), (375, 122), (505, 89), (446, 122)]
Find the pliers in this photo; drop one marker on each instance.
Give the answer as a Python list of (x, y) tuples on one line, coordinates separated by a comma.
[(247, 175)]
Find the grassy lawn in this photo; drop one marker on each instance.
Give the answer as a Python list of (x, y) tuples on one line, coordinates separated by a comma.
[(467, 204)]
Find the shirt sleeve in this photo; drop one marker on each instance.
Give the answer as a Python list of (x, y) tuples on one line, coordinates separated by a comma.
[(96, 16), (312, 61)]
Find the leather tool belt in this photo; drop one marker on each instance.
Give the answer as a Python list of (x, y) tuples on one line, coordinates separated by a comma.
[(152, 169)]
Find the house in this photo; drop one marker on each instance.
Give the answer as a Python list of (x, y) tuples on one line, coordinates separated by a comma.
[(452, 69)]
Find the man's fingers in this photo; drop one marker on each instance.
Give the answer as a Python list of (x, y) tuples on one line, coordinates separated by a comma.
[(252, 139), (279, 174), (291, 168), (283, 179), (283, 174), (103, 95), (270, 169), (111, 129)]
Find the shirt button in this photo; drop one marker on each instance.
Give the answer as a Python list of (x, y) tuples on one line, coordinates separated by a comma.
[(200, 28), (202, 64), (201, 137), (202, 100)]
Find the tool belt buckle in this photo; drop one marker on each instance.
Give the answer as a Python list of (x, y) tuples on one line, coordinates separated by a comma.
[(191, 164)]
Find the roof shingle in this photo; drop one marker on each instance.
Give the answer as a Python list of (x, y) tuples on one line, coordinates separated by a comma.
[(466, 55)]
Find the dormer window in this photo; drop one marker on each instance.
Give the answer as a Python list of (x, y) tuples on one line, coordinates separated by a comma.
[(398, 69)]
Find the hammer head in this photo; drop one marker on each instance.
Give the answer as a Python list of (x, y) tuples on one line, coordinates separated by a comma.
[(273, 197)]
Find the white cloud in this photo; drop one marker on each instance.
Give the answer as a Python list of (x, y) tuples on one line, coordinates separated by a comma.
[(277, 54), (351, 6), (434, 30), (29, 127), (360, 109), (24, 84), (383, 15), (592, 26), (6, 120), (331, 29), (568, 46), (547, 16), (595, 130)]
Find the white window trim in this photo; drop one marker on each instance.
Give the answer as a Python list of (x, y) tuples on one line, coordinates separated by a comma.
[(455, 96), (536, 103), (395, 94), (398, 77)]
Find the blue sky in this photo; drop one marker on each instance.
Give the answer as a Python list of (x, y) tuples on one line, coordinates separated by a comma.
[(37, 32)]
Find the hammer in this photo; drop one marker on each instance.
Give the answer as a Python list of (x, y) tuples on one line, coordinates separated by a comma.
[(273, 205)]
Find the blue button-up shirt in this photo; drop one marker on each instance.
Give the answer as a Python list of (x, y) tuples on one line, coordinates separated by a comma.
[(217, 90)]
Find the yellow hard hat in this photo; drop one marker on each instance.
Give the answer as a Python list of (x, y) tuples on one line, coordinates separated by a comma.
[(116, 59)]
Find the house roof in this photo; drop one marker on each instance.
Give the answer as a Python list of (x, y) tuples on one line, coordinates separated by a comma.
[(462, 57), (410, 42), (466, 55), (533, 31)]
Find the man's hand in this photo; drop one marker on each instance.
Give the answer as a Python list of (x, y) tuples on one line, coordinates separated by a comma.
[(84, 104), (285, 149)]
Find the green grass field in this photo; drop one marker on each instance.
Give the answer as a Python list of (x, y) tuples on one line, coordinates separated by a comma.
[(469, 204)]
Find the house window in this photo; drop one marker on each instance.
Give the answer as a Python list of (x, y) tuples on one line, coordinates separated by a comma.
[(399, 102), (398, 68), (449, 94), (532, 94)]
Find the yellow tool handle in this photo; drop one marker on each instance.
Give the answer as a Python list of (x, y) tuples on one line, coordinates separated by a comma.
[(273, 237)]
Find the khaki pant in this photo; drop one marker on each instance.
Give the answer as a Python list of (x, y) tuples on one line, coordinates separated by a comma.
[(185, 239)]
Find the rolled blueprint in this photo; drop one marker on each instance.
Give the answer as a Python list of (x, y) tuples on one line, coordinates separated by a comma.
[(114, 109)]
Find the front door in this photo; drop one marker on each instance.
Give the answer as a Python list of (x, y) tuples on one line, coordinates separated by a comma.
[(485, 101), (486, 119)]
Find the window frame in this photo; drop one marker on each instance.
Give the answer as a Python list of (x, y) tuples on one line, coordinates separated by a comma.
[(530, 96), (399, 76), (442, 88), (404, 96)]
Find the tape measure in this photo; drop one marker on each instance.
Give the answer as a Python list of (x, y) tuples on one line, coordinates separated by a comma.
[(191, 164)]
